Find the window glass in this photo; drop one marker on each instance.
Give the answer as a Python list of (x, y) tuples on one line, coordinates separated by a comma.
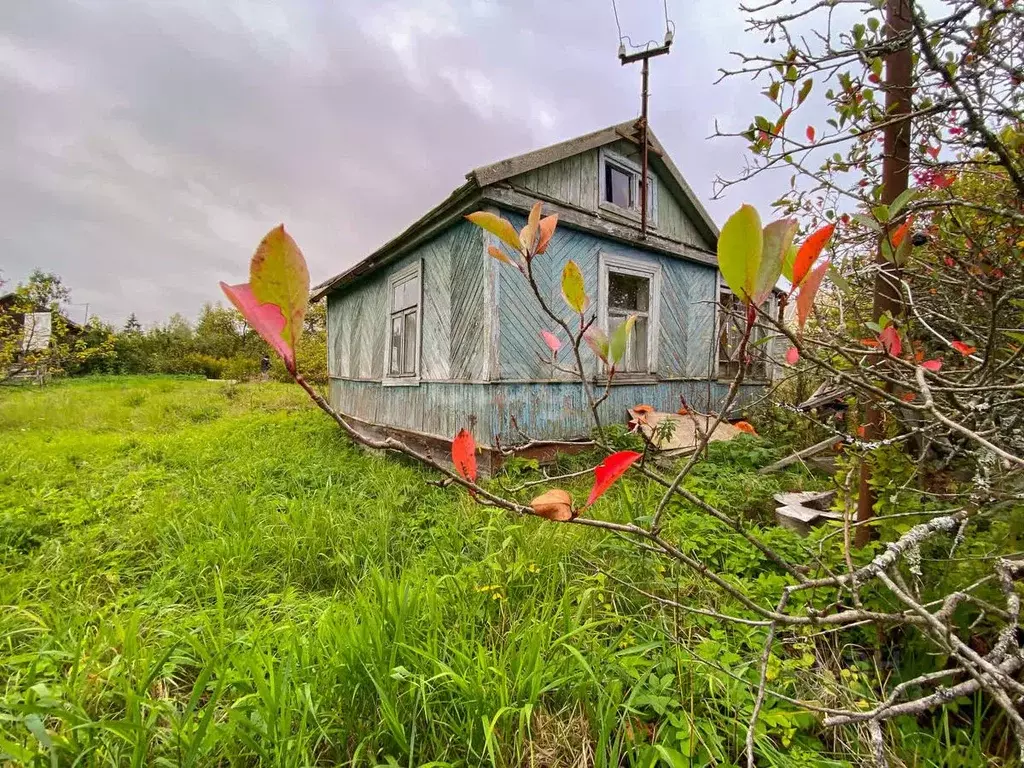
[(628, 292), (409, 366), (630, 295), (396, 345), (618, 186), (405, 294)]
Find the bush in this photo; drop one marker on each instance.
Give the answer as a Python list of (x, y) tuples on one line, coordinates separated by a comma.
[(241, 368)]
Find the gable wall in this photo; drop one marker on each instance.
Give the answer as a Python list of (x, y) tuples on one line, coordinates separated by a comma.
[(575, 181)]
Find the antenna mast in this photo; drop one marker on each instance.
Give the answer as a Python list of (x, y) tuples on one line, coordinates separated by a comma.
[(645, 55)]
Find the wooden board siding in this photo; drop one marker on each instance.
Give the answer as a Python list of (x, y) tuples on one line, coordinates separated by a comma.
[(543, 410), (451, 313), (574, 180), (687, 317)]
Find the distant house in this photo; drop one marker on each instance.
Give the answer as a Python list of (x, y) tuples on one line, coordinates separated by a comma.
[(428, 334), (31, 331)]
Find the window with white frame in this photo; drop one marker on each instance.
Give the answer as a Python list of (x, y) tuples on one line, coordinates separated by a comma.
[(732, 321), (631, 287), (404, 323), (620, 187)]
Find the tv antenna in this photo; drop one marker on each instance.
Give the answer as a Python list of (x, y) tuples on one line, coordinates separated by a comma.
[(643, 53)]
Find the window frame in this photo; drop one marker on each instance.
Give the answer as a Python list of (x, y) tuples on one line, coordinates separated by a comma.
[(607, 157), (760, 332), (626, 265), (395, 279)]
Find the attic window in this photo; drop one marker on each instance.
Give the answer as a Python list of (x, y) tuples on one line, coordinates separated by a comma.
[(620, 187)]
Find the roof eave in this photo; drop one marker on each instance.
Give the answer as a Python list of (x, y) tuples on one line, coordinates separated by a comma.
[(436, 218)]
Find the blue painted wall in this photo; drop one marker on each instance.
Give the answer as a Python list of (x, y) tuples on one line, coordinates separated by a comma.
[(687, 323), (482, 359)]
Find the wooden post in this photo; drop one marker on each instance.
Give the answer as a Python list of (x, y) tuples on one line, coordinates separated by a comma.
[(895, 178)]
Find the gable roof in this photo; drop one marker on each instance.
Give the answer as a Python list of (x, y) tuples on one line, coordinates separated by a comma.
[(468, 197)]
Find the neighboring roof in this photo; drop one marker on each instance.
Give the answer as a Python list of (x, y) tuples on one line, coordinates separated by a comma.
[(8, 297), (465, 198)]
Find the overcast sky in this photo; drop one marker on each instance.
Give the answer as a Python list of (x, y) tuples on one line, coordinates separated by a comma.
[(148, 146)]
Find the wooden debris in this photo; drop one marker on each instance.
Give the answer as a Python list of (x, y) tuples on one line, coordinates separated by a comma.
[(802, 511), (800, 455)]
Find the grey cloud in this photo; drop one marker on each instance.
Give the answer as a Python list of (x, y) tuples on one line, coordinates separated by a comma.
[(151, 144)]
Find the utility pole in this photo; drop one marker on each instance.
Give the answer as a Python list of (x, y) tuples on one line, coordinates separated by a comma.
[(895, 179), (641, 125)]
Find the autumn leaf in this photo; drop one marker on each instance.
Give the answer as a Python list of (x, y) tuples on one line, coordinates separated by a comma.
[(500, 255), (932, 365), (573, 290), (528, 234), (597, 340), (266, 319), (552, 341), (547, 231), (901, 231), (777, 239), (890, 340), (464, 455), (274, 300), (809, 252), (907, 397), (608, 471), (554, 505), (963, 348), (808, 290), (497, 226), (745, 426), (792, 355), (810, 133), (740, 245)]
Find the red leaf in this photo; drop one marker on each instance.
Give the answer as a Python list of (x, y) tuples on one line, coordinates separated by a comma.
[(869, 342), (547, 229), (810, 133), (964, 349), (792, 355), (932, 365), (809, 289), (901, 231), (266, 319), (552, 341), (608, 471), (464, 455), (809, 252), (890, 340), (745, 426), (933, 151), (907, 397)]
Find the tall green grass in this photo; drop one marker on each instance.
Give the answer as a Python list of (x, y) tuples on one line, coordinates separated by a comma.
[(196, 573)]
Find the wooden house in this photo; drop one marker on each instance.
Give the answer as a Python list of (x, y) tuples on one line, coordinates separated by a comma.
[(428, 334)]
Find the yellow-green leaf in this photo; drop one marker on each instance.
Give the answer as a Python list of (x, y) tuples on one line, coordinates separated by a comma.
[(619, 339), (787, 262), (278, 276), (777, 239), (572, 287), (739, 251), (497, 226)]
